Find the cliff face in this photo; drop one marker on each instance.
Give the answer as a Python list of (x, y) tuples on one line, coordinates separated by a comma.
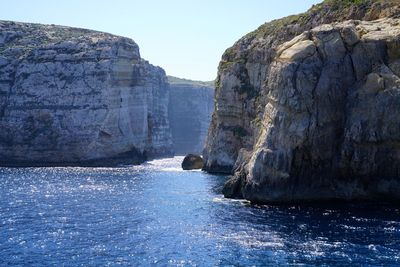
[(240, 98), (309, 112), (190, 108), (75, 96)]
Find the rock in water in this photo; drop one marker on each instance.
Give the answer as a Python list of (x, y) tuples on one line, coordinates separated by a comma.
[(192, 162), (72, 96), (306, 112)]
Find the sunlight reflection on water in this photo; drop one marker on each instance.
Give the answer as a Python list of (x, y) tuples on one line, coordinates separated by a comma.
[(158, 214)]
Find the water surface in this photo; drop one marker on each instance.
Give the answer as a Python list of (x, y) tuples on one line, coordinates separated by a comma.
[(159, 215)]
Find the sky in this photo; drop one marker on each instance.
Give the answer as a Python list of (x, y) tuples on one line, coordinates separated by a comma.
[(185, 37)]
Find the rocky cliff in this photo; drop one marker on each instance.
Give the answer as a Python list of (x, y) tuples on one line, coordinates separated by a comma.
[(72, 96), (306, 107), (190, 108)]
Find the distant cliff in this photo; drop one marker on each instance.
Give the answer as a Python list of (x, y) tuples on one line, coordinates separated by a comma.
[(72, 96), (190, 107), (307, 107)]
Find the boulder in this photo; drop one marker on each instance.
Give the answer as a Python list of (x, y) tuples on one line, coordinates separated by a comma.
[(192, 162)]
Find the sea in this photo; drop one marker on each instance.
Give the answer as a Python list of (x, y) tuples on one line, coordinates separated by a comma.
[(156, 214)]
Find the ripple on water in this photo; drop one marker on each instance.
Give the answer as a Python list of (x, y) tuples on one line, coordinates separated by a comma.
[(158, 214)]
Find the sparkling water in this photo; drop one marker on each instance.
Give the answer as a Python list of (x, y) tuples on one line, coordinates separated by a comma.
[(158, 215)]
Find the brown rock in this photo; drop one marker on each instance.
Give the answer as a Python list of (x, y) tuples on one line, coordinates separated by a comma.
[(192, 162)]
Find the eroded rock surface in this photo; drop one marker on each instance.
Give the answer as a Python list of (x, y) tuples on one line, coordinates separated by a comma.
[(240, 95), (331, 125), (74, 96), (307, 107)]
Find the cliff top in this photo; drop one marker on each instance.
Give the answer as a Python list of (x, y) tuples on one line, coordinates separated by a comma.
[(334, 11), (26, 36), (273, 33), (179, 81)]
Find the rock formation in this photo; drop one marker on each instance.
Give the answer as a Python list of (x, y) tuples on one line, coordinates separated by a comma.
[(72, 96), (190, 108), (192, 162), (307, 106)]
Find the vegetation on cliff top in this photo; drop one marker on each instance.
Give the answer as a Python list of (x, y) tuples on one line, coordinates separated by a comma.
[(332, 10), (179, 81), (278, 31), (336, 10)]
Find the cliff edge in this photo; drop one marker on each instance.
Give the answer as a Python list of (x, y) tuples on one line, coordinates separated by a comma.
[(306, 106), (72, 96)]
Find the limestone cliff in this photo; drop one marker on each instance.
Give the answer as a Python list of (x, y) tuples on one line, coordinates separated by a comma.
[(306, 112), (190, 107), (72, 96)]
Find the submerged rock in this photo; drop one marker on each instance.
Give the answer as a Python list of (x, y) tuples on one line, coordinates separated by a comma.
[(306, 112), (192, 162), (72, 96)]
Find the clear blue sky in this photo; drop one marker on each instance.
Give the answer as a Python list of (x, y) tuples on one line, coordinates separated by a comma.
[(185, 37)]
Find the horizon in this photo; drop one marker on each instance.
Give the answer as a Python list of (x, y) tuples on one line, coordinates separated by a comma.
[(186, 39)]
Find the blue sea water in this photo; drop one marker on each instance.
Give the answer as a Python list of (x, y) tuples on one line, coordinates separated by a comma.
[(158, 215)]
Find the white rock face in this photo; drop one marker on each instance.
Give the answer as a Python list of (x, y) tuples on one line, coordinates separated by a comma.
[(240, 93), (330, 128), (71, 96), (306, 107), (190, 109)]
